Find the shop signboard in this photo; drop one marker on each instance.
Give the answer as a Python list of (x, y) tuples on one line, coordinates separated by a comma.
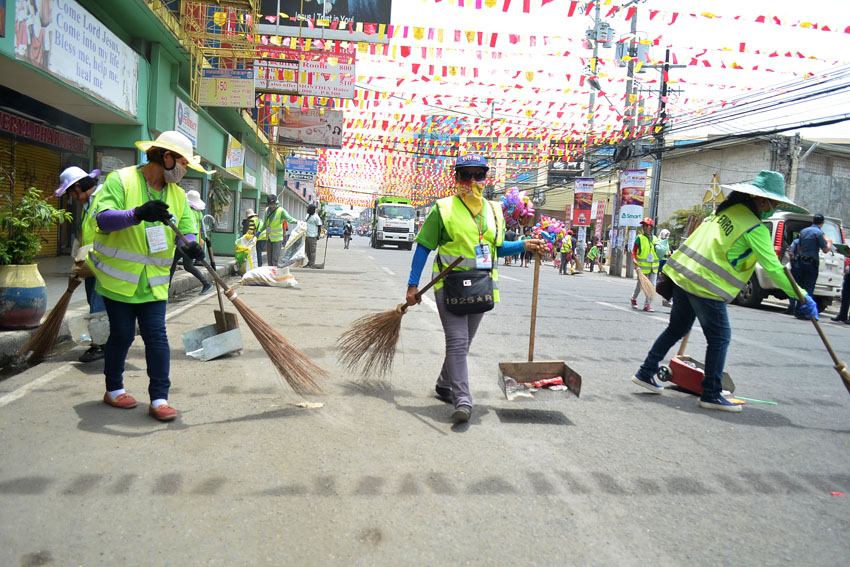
[(234, 161), (63, 39), (232, 88), (300, 177), (314, 127), (600, 218), (632, 190), (583, 201), (362, 21), (306, 72), (186, 121)]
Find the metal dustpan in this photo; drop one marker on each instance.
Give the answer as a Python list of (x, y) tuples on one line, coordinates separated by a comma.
[(206, 343), (516, 379)]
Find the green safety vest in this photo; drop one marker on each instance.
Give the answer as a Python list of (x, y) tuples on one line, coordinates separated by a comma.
[(87, 223), (118, 258), (700, 265), (463, 237), (646, 258), (566, 244), (591, 254), (274, 225), (199, 218)]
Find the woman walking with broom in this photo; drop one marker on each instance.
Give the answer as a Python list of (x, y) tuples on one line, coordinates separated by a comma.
[(465, 226), (131, 258)]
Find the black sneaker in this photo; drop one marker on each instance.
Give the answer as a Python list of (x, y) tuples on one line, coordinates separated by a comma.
[(839, 319), (206, 289), (461, 414), (444, 394), (95, 352), (719, 403)]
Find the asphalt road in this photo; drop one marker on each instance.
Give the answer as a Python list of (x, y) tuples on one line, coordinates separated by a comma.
[(380, 476)]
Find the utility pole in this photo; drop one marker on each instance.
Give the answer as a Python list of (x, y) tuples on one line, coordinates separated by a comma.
[(658, 132), (618, 251)]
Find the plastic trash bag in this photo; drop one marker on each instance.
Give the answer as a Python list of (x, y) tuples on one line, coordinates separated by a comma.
[(294, 253), (269, 276), (246, 254)]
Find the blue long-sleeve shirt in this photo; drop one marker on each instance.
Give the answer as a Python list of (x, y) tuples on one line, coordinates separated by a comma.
[(420, 258)]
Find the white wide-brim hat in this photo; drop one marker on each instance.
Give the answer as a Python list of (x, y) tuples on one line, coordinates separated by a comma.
[(70, 176), (178, 143), (195, 201)]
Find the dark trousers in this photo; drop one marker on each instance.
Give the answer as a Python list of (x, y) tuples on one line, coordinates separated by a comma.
[(808, 276), (188, 265), (122, 332), (845, 297), (261, 246)]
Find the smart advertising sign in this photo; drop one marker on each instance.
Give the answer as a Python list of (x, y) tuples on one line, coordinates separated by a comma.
[(632, 189), (186, 121), (65, 40), (345, 20), (583, 201), (306, 73), (314, 127)]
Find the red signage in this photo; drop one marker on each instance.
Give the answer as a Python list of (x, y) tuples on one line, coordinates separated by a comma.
[(24, 128)]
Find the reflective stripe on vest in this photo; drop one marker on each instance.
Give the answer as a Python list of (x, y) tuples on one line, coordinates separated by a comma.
[(118, 258), (642, 258), (463, 237), (566, 244), (701, 266), (274, 225)]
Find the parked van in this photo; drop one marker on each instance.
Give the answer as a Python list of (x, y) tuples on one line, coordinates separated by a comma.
[(784, 228)]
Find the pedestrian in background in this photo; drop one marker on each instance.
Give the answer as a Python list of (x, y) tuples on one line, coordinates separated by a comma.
[(812, 242), (196, 206), (314, 231), (566, 251), (468, 226), (83, 188), (510, 236), (646, 260), (708, 271), (526, 256), (662, 249), (274, 228), (131, 256), (845, 301), (592, 253)]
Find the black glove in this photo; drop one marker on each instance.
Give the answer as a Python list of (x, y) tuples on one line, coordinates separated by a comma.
[(193, 250), (153, 211)]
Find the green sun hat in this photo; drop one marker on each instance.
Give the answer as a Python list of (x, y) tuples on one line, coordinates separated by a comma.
[(770, 185)]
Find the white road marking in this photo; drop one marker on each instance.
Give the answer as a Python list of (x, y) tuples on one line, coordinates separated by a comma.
[(501, 277), (370, 257), (430, 303), (387, 270)]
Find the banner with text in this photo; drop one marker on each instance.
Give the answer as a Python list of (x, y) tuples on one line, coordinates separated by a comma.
[(306, 73), (65, 40), (315, 128), (583, 201), (233, 88), (600, 218), (234, 161), (300, 177), (363, 20), (632, 190)]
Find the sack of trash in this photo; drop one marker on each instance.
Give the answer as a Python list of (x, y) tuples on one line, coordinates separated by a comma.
[(246, 254), (294, 253), (270, 276)]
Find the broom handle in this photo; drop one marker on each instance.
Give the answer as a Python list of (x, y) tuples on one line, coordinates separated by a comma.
[(684, 344), (212, 262), (440, 276), (801, 297), (533, 307), (218, 279)]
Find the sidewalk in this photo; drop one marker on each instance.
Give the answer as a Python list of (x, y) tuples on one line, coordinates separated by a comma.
[(55, 271)]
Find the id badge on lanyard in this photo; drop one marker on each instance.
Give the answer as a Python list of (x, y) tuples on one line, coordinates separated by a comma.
[(483, 258), (157, 242)]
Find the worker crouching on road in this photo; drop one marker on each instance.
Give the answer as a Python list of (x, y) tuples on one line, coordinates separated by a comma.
[(132, 254), (82, 187), (468, 226), (709, 269)]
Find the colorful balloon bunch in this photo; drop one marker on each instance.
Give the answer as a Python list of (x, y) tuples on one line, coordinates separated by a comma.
[(517, 208), (551, 230)]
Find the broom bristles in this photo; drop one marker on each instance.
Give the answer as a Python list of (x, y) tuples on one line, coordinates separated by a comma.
[(41, 342), (645, 285), (369, 346), (295, 367)]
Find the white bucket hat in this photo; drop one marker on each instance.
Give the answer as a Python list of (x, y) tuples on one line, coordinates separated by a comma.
[(194, 199), (70, 176), (178, 143), (249, 213)]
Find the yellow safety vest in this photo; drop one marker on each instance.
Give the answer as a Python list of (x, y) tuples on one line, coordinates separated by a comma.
[(118, 258), (646, 258), (463, 237), (274, 225), (700, 265), (566, 244), (87, 223)]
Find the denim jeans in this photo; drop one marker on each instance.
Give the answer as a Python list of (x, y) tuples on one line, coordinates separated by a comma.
[(94, 299), (261, 246), (715, 326), (845, 297), (808, 277), (122, 332)]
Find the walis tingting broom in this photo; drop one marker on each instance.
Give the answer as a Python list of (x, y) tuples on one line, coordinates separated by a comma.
[(293, 365), (645, 285), (42, 341), (369, 346)]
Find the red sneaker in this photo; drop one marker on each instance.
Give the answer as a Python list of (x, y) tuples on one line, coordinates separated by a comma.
[(633, 302), (649, 309), (123, 401), (163, 413)]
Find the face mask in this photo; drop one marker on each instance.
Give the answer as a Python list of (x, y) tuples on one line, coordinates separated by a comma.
[(176, 173), (472, 195)]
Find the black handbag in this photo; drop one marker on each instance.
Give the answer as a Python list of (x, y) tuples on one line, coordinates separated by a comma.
[(468, 291), (664, 286)]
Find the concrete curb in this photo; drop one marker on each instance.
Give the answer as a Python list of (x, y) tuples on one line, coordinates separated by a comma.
[(11, 342)]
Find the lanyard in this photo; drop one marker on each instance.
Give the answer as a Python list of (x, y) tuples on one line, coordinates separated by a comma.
[(481, 226)]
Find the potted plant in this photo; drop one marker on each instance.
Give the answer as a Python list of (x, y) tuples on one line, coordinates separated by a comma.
[(23, 297)]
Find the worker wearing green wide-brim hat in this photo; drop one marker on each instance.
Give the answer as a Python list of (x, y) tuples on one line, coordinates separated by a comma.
[(710, 268)]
